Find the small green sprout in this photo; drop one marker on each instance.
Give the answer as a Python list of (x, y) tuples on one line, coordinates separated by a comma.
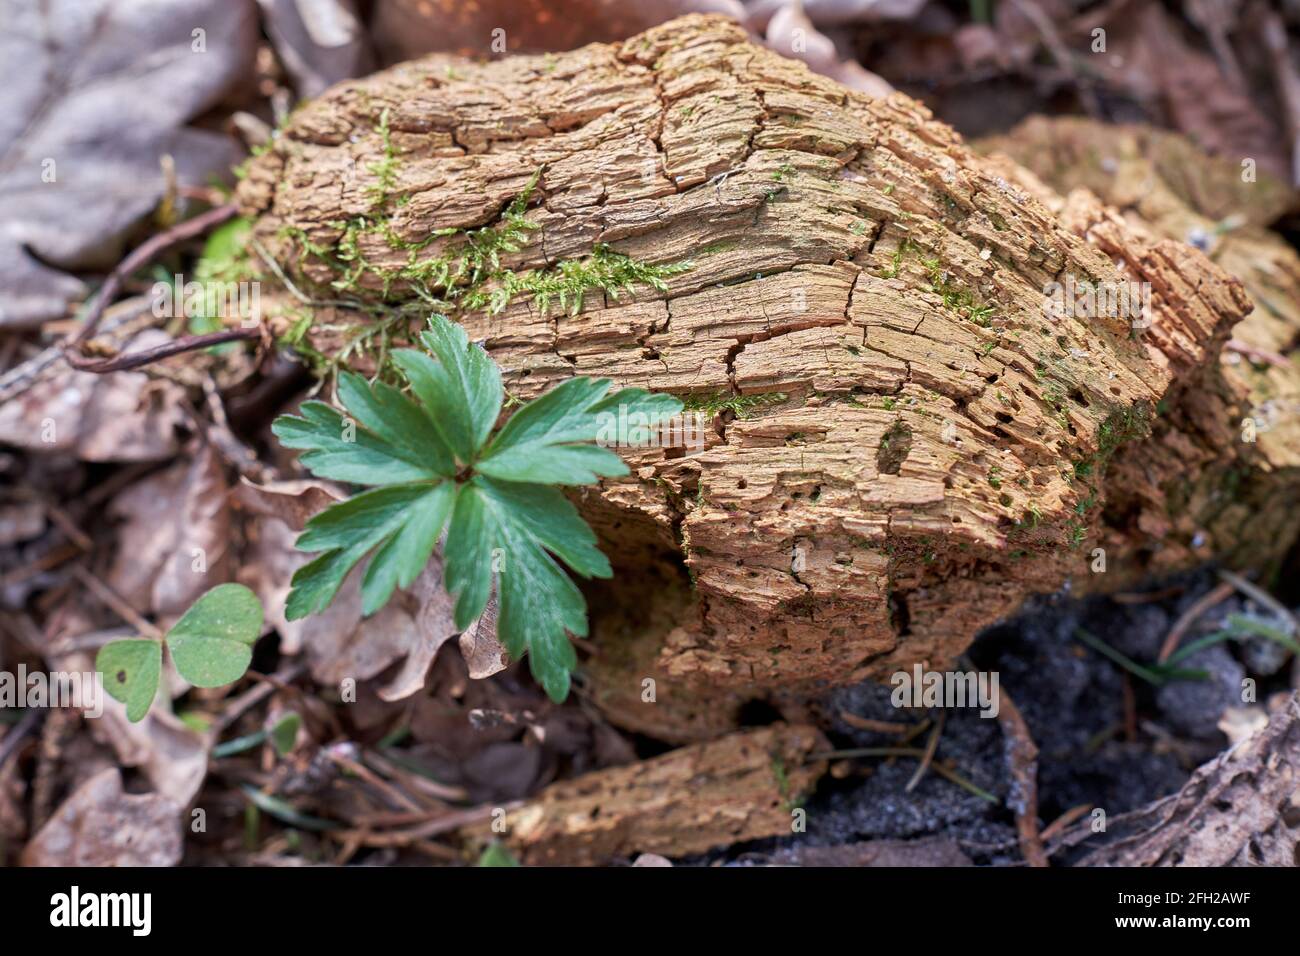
[(211, 646)]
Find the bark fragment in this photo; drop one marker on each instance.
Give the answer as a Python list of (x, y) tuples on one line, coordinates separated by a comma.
[(743, 786)]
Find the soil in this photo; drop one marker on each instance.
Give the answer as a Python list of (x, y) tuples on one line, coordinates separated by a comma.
[(1073, 700)]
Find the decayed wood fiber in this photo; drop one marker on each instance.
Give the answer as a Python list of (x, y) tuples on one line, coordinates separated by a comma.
[(743, 786), (904, 475), (1240, 809), (1196, 488)]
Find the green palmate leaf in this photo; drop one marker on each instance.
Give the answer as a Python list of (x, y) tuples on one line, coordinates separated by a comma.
[(391, 439), (212, 644), (435, 464), (492, 536), (552, 520), (545, 440), (402, 521), (461, 389), (131, 671)]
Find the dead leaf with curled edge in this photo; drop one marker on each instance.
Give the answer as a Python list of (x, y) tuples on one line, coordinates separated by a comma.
[(433, 619), (484, 654), (291, 502), (1150, 60), (320, 41), (96, 91)]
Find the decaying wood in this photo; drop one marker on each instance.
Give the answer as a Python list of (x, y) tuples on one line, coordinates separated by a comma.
[(1205, 483), (743, 786), (1240, 809), (900, 432)]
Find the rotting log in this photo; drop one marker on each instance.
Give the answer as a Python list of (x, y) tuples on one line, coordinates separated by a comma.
[(1220, 475), (901, 445), (742, 786)]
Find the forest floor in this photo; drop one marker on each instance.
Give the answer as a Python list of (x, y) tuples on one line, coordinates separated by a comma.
[(144, 465)]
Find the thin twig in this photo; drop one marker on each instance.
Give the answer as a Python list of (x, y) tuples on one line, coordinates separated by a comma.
[(1260, 596), (140, 257), (115, 602), (947, 773), (223, 437), (1188, 618), (931, 746), (236, 707), (394, 795), (1147, 597), (443, 823), (1022, 753), (188, 343), (1064, 820), (120, 317), (1257, 354), (875, 726)]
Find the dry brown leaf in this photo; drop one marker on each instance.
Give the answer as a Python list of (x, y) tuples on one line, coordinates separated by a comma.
[(278, 510), (292, 502), (123, 417), (434, 625), (171, 755), (268, 564), (99, 91), (345, 645), (319, 41), (412, 625), (100, 825), (1147, 55), (484, 654), (174, 542)]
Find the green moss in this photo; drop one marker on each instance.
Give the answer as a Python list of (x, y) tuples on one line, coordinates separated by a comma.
[(385, 169), (741, 406), (954, 297), (469, 275), (714, 248), (569, 282)]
